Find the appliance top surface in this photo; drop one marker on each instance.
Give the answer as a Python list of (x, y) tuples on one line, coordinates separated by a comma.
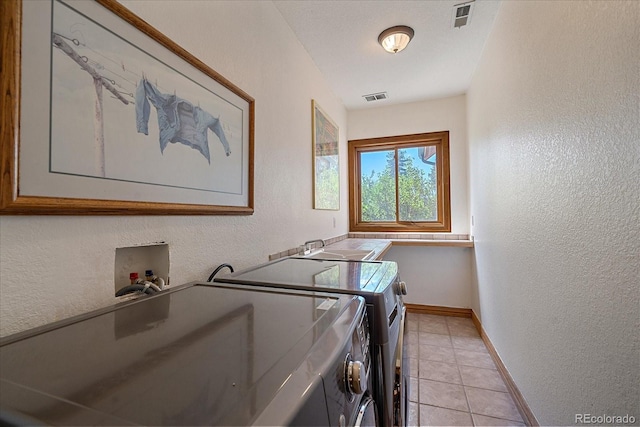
[(202, 354), (355, 277)]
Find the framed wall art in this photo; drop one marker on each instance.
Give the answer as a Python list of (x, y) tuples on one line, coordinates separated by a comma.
[(326, 165), (103, 114)]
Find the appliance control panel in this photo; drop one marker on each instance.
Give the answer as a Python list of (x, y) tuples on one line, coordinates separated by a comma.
[(357, 364), (362, 341)]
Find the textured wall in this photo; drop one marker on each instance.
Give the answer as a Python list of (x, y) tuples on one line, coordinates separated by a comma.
[(55, 267), (554, 192)]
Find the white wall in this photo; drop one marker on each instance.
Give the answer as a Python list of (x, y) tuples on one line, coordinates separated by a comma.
[(55, 267), (554, 187), (420, 117), (434, 275)]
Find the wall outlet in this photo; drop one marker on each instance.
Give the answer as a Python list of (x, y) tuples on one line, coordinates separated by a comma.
[(138, 259)]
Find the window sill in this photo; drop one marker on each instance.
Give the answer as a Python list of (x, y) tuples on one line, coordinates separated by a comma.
[(432, 242)]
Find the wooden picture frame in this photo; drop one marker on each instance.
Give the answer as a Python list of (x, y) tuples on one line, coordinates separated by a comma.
[(103, 114), (326, 160)]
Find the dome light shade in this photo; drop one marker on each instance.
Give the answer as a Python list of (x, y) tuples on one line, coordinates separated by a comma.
[(395, 39)]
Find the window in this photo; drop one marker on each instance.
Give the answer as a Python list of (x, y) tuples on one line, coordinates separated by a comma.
[(400, 183)]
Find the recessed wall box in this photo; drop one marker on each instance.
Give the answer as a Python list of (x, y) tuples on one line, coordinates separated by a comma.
[(138, 259)]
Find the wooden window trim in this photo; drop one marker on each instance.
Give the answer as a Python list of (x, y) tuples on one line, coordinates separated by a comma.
[(441, 141)]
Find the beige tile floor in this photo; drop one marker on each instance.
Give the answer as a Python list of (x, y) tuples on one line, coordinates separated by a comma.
[(453, 380)]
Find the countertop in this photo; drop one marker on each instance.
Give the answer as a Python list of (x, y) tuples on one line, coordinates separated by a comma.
[(381, 246)]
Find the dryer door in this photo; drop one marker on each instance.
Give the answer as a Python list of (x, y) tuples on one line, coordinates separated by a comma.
[(367, 415)]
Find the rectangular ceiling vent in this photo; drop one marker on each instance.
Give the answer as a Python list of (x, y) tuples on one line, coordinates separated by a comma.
[(462, 14), (375, 96)]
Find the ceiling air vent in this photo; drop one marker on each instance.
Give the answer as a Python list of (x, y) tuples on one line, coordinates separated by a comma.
[(375, 96), (462, 14)]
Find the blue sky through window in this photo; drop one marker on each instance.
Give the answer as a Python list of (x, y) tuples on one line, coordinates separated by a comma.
[(377, 160)]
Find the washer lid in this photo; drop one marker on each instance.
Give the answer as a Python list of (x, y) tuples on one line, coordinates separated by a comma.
[(315, 274), (197, 355)]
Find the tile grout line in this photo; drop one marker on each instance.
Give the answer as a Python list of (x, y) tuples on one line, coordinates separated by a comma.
[(418, 383), (455, 357), (418, 374), (494, 416)]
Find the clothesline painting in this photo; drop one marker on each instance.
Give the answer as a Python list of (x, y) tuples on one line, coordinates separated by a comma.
[(115, 118), (119, 113)]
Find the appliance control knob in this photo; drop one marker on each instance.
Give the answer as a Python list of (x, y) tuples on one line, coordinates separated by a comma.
[(356, 377), (402, 288)]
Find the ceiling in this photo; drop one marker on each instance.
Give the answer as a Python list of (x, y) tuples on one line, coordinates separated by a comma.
[(342, 39)]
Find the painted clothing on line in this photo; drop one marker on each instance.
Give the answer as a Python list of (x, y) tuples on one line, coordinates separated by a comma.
[(178, 119)]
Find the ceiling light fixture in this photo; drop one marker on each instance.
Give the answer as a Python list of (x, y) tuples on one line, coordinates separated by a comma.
[(394, 39)]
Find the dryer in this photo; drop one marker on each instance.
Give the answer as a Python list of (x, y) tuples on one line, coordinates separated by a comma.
[(198, 354)]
